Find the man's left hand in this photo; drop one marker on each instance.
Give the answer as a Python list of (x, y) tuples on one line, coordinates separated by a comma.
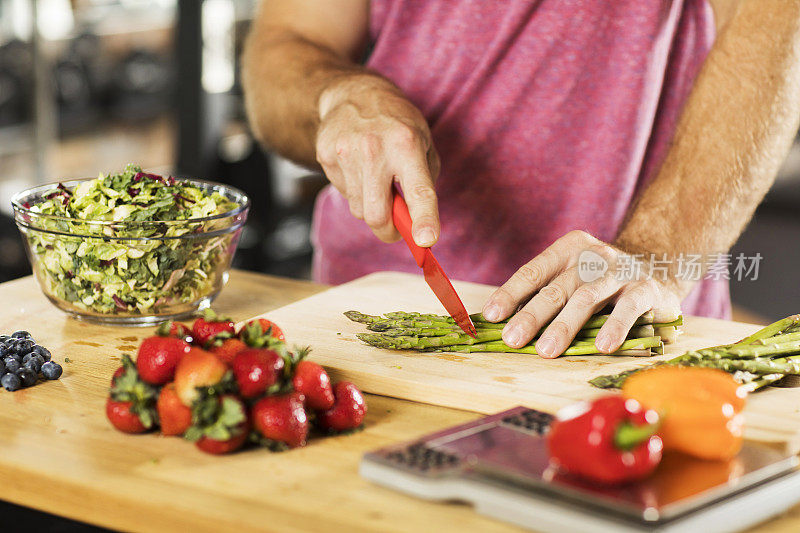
[(558, 300)]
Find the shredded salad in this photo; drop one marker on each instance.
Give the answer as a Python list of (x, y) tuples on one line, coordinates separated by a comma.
[(116, 244)]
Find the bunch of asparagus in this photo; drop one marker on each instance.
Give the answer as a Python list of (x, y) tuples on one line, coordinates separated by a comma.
[(766, 356), (415, 331)]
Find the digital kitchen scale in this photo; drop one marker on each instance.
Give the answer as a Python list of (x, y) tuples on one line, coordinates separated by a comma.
[(499, 465)]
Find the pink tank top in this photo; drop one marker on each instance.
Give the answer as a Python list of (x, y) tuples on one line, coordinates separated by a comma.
[(548, 115)]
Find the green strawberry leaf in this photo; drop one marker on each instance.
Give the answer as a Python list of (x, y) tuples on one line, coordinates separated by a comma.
[(209, 315), (163, 328), (222, 422)]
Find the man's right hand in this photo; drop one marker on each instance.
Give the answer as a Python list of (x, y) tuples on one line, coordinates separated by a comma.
[(369, 136)]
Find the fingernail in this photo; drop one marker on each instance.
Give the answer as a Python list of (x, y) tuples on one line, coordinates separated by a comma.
[(603, 343), (425, 237), (492, 312), (512, 335), (546, 347)]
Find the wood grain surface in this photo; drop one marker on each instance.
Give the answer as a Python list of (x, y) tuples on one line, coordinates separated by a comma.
[(488, 382), (60, 455)]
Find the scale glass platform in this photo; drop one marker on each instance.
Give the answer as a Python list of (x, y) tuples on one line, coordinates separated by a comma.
[(499, 464)]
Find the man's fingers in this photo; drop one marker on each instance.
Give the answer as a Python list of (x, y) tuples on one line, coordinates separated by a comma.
[(378, 207), (634, 300), (544, 305), (583, 303), (415, 179), (530, 277)]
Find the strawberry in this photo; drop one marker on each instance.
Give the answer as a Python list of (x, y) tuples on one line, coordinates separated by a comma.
[(198, 368), (175, 329), (175, 417), (281, 419), (210, 326), (348, 409), (158, 357), (117, 373), (313, 382), (131, 401), (122, 418), (262, 326), (256, 370), (226, 349), (221, 424)]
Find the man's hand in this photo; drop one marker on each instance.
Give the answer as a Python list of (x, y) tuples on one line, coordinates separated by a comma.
[(369, 136), (553, 290)]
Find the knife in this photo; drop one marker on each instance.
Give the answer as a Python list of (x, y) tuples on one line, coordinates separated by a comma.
[(434, 274)]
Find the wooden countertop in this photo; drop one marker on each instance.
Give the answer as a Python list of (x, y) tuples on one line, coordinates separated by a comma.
[(60, 455)]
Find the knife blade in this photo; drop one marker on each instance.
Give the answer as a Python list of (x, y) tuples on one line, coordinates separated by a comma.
[(434, 275)]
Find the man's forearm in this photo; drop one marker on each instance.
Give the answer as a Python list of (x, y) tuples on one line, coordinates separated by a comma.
[(284, 75), (735, 131)]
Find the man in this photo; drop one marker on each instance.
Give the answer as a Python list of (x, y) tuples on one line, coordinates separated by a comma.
[(617, 127)]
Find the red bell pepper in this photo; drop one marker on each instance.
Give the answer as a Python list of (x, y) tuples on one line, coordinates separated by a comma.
[(611, 440)]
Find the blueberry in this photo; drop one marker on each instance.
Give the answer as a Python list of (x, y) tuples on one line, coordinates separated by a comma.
[(10, 381), (21, 334), (24, 346), (27, 377), (51, 370), (3, 350), (12, 365), (33, 361), (32, 355), (43, 352), (2, 367), (4, 338)]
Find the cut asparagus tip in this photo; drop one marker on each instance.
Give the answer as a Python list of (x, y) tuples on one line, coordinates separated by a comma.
[(355, 316), (666, 314)]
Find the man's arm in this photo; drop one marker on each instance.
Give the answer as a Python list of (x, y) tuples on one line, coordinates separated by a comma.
[(308, 99), (734, 131), (733, 135)]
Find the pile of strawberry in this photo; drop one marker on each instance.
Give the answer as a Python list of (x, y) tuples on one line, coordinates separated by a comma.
[(221, 389)]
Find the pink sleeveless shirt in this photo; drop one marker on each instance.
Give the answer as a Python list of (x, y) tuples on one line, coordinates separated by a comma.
[(549, 116)]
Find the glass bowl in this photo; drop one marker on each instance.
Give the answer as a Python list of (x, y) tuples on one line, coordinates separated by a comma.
[(130, 273)]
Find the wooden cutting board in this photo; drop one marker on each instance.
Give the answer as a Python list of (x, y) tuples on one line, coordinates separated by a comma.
[(487, 382)]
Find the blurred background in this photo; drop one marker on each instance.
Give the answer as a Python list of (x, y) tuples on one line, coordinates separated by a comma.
[(89, 85)]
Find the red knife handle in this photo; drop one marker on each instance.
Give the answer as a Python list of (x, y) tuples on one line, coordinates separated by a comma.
[(402, 221)]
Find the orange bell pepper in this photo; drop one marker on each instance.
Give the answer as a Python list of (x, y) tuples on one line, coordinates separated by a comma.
[(701, 408)]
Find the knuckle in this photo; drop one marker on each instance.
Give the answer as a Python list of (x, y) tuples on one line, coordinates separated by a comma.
[(604, 250), (615, 325), (422, 193), (526, 318), (587, 296), (628, 304), (370, 145), (343, 147), (553, 295), (376, 218), (577, 235), (502, 295), (531, 274), (405, 136)]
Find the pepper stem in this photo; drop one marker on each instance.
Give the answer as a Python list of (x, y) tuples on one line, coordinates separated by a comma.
[(629, 436)]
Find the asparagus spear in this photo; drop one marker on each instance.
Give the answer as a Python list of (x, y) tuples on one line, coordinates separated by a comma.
[(740, 356), (422, 343), (772, 329), (403, 319), (575, 349)]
